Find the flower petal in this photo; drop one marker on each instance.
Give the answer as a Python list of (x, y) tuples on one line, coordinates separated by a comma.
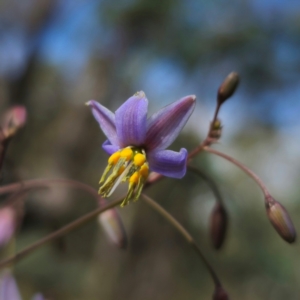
[(168, 163), (8, 288), (109, 148), (165, 125), (131, 120), (106, 120)]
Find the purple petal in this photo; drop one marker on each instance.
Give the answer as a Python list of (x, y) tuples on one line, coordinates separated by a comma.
[(109, 148), (106, 120), (165, 125), (8, 288), (7, 225), (168, 163), (131, 120)]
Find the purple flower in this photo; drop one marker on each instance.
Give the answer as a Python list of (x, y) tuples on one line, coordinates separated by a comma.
[(9, 289), (137, 143)]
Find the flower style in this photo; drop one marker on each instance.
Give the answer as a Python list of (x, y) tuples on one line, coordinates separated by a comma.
[(137, 144)]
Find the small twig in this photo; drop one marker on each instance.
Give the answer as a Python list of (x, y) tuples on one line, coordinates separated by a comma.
[(185, 234), (243, 167), (42, 183), (209, 181), (59, 233)]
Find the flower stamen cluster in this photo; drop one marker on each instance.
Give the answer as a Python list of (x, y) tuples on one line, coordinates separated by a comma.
[(127, 165)]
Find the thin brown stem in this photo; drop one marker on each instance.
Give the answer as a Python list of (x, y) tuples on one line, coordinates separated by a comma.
[(243, 167), (59, 233), (209, 181), (44, 183), (185, 234)]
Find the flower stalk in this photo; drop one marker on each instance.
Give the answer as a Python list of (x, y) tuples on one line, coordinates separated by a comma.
[(187, 236)]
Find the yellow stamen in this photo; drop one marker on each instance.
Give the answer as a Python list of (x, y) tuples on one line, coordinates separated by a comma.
[(127, 153), (134, 178), (144, 171), (113, 159), (133, 181), (139, 159), (129, 164)]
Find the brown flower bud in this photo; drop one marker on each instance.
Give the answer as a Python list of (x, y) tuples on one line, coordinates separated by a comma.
[(113, 227), (228, 87), (218, 225), (220, 294), (280, 219), (13, 120)]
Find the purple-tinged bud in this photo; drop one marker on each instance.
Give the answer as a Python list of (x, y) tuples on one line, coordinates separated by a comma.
[(113, 226), (14, 119), (7, 224), (228, 87), (280, 219), (220, 294), (218, 225)]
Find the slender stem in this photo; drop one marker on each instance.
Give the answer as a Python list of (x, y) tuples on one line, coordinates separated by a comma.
[(243, 167), (62, 231), (185, 234), (209, 181), (215, 114), (43, 183)]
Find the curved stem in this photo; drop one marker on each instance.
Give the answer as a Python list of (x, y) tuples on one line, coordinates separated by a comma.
[(209, 181), (43, 183), (185, 234), (243, 167), (60, 232)]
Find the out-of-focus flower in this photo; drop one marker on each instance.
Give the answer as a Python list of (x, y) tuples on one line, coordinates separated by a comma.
[(113, 226), (7, 224), (137, 143), (13, 120), (9, 289)]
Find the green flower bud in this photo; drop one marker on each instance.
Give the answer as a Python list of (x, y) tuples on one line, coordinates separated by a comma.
[(280, 219), (228, 87)]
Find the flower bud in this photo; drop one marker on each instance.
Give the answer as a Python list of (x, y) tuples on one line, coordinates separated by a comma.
[(113, 227), (220, 294), (228, 87), (13, 120), (7, 224), (218, 225), (280, 219), (215, 131)]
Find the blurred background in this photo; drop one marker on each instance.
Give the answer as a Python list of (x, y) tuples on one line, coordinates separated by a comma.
[(56, 55)]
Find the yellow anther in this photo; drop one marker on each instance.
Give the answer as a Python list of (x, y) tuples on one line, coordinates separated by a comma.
[(139, 159), (121, 170), (127, 153), (113, 159), (134, 178), (144, 170)]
